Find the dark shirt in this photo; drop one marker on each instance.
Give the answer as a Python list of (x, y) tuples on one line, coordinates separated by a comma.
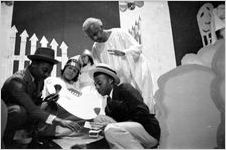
[(127, 105), (21, 90)]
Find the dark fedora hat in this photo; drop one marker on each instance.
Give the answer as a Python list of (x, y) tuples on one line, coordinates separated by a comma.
[(46, 54)]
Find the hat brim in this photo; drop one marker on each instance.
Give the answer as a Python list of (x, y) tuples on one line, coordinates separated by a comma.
[(101, 70), (39, 57)]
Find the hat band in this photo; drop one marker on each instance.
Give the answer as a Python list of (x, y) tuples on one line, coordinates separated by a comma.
[(103, 67)]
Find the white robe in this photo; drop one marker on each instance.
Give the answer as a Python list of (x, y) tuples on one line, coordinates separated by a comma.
[(82, 106), (87, 87), (132, 68)]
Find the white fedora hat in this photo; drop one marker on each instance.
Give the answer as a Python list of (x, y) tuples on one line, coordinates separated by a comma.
[(106, 69)]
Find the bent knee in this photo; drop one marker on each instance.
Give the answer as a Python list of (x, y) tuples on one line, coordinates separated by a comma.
[(152, 144), (113, 131), (109, 130)]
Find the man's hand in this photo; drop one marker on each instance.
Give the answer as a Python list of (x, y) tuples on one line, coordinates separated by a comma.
[(116, 52), (101, 121), (68, 124), (51, 98)]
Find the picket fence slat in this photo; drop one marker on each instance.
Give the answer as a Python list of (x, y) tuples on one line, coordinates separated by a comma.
[(34, 41), (44, 42), (12, 43), (64, 57)]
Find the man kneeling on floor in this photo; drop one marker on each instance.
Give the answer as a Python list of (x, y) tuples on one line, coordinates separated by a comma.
[(128, 122), (22, 94)]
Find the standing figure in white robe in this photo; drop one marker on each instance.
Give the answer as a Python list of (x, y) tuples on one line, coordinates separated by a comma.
[(86, 83), (122, 52)]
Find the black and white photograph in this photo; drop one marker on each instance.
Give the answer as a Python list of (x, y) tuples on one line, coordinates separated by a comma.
[(112, 74)]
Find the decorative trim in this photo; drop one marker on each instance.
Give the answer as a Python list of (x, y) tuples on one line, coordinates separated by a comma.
[(135, 31), (124, 5), (7, 3)]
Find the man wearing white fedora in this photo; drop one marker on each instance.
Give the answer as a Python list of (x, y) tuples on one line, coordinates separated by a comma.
[(22, 94), (128, 123)]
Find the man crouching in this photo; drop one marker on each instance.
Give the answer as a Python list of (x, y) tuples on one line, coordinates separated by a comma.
[(128, 122)]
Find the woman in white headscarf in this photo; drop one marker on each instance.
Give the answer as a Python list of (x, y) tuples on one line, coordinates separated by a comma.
[(86, 60), (66, 90)]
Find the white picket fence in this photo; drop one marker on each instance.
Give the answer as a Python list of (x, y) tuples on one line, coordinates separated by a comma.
[(33, 46)]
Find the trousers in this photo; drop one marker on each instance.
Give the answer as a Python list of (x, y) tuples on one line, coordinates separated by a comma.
[(128, 135), (17, 119)]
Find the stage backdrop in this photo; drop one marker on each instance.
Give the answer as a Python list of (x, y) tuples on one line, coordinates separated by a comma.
[(169, 29), (186, 35), (152, 23), (63, 20)]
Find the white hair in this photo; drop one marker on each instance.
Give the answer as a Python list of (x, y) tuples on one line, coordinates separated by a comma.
[(90, 21)]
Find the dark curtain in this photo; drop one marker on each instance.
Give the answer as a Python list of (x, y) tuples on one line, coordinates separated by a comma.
[(63, 20)]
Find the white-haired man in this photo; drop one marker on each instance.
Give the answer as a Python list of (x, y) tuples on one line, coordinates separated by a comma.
[(123, 53)]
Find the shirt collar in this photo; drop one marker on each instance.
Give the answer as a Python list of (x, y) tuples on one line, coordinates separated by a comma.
[(111, 93), (32, 78), (29, 74)]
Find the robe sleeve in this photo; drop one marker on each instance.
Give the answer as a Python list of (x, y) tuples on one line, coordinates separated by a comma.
[(95, 55), (133, 48)]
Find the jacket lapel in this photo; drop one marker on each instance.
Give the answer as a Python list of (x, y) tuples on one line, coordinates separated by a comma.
[(115, 94), (29, 81)]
